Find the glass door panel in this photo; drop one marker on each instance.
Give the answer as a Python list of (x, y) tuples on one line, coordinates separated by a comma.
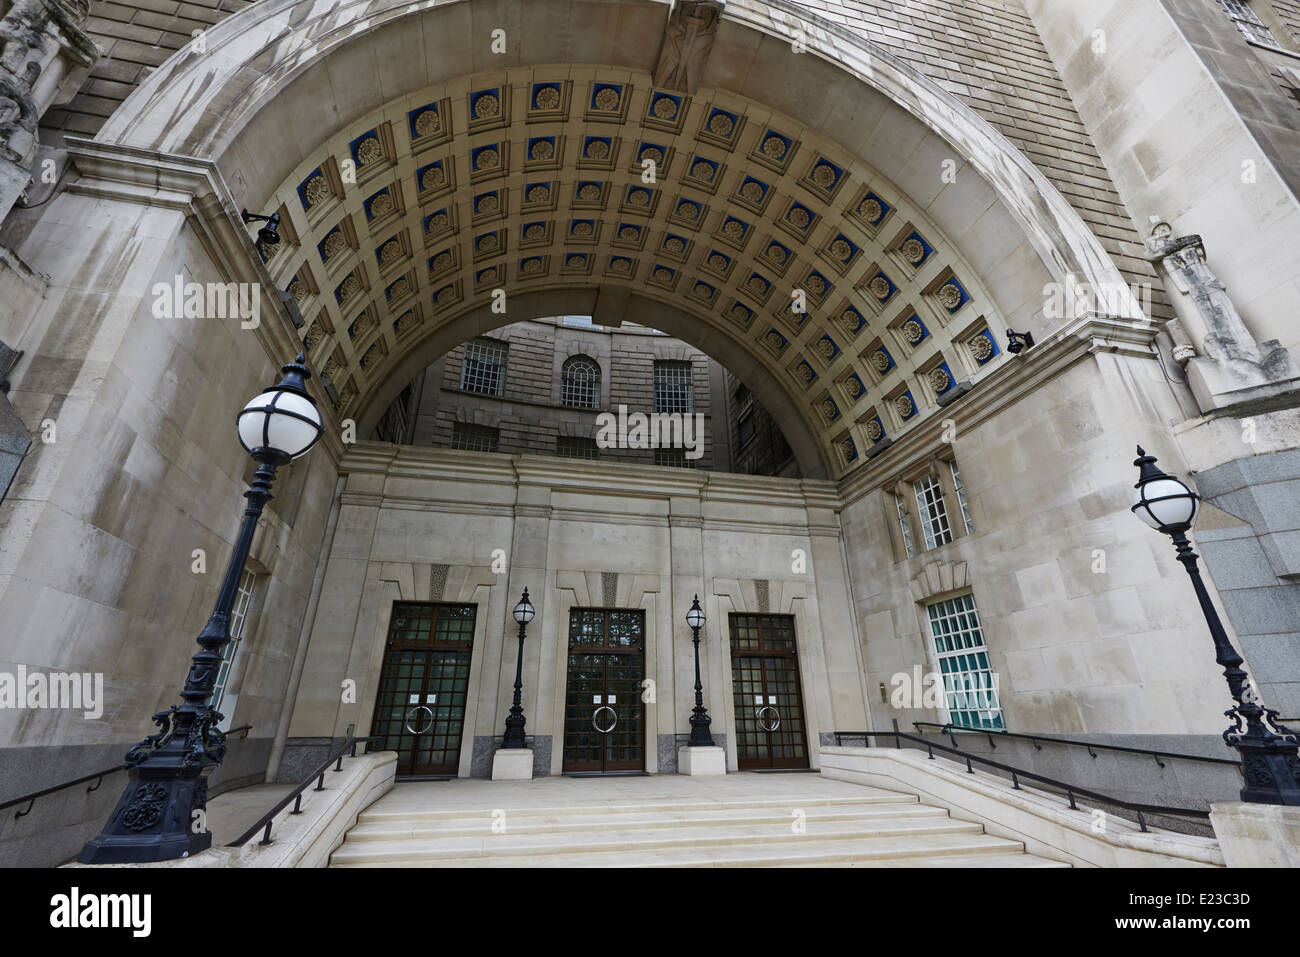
[(770, 731), (604, 717), (420, 709)]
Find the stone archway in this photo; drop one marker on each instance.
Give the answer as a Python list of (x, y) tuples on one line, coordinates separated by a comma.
[(825, 182)]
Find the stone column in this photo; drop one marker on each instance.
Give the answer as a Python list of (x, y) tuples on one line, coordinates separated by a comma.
[(528, 557), (677, 695)]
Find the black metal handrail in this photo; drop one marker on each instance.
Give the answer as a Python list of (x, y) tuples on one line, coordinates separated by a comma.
[(1090, 745), (1017, 773), (96, 776), (268, 819)]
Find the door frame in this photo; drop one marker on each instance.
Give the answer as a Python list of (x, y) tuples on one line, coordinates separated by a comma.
[(462, 754), (798, 678), (568, 650), (637, 591)]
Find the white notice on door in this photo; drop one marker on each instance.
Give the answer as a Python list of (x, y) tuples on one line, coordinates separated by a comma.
[(758, 699), (771, 699), (430, 699), (595, 699), (613, 699), (415, 699)]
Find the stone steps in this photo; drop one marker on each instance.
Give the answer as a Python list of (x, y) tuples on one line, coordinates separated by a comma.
[(387, 810), (666, 823), (968, 846), (437, 847), (651, 819)]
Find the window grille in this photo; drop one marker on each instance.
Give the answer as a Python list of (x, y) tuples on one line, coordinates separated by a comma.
[(580, 383), (1249, 23), (576, 448), (961, 497), (970, 692), (934, 516), (474, 438), (904, 526), (238, 617), (673, 458), (484, 369), (674, 390)]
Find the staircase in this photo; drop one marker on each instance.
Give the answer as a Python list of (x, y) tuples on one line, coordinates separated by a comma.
[(742, 820)]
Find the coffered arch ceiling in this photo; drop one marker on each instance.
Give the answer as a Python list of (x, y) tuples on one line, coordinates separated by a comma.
[(534, 179), (417, 173)]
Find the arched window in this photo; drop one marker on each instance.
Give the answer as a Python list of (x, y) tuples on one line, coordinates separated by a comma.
[(581, 383)]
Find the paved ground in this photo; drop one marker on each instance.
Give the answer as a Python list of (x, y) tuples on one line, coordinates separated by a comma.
[(232, 813)]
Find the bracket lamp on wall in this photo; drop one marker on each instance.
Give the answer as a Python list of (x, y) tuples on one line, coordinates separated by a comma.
[(266, 236), (1019, 341)]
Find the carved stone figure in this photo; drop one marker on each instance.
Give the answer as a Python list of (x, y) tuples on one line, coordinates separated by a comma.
[(36, 37), (1212, 327), (687, 41), (18, 117)]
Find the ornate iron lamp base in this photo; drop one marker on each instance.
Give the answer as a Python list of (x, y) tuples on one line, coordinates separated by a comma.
[(161, 815), (701, 737)]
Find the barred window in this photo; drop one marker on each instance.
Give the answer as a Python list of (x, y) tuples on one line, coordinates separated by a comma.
[(1249, 23), (961, 496), (970, 692), (484, 369), (474, 438), (580, 378), (573, 447), (238, 618), (934, 515), (674, 391), (673, 458), (904, 526)]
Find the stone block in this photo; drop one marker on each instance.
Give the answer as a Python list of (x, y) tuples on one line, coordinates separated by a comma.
[(1238, 563), (1262, 611), (1257, 835), (701, 761), (512, 764)]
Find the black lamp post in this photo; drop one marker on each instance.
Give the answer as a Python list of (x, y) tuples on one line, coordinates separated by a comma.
[(514, 736), (700, 720), (160, 815), (1269, 761)]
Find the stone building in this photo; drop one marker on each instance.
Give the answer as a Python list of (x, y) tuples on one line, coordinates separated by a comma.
[(540, 387), (937, 267), (549, 380)]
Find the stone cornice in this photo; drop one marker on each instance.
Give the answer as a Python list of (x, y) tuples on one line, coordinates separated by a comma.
[(1004, 387), (134, 175), (817, 499), (605, 477), (194, 187)]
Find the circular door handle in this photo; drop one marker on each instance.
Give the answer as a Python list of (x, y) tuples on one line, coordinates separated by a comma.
[(426, 728), (775, 722), (613, 714)]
